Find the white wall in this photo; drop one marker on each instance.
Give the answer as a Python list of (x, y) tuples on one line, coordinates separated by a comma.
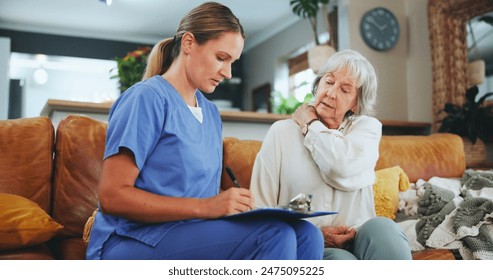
[(4, 77), (262, 62), (404, 72), (390, 65), (419, 68)]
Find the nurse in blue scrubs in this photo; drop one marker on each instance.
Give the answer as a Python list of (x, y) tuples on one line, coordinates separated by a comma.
[(159, 192)]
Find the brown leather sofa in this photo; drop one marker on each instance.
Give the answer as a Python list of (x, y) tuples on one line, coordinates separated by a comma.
[(59, 171)]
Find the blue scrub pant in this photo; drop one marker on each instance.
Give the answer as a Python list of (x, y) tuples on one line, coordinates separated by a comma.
[(226, 239), (378, 239)]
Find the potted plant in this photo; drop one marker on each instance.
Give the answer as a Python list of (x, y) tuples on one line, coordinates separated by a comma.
[(309, 9), (472, 121), (287, 105), (131, 67)]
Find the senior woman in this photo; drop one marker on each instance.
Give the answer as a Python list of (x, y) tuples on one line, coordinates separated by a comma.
[(329, 150)]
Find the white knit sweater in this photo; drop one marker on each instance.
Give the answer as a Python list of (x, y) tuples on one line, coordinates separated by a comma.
[(335, 166)]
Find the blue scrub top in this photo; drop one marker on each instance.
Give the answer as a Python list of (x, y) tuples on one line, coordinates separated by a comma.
[(175, 153)]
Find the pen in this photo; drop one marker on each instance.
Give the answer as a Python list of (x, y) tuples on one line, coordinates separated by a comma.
[(232, 176)]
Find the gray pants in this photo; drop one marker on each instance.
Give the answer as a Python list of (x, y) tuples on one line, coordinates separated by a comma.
[(378, 239)]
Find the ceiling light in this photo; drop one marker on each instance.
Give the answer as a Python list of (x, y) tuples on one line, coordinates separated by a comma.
[(107, 2), (40, 76)]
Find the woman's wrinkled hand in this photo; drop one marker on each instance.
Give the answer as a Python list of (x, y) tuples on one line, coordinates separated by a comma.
[(337, 236), (304, 114), (228, 202)]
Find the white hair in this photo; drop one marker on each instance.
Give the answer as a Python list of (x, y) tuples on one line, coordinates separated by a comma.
[(364, 73)]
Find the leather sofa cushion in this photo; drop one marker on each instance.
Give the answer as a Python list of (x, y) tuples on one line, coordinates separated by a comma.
[(71, 248), (239, 155), (37, 252), (423, 157), (78, 157), (26, 159)]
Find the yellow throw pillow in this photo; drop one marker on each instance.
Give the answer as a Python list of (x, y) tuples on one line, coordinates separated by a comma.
[(388, 183), (23, 223)]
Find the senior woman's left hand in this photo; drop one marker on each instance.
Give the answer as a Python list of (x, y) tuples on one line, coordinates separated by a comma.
[(304, 114), (337, 236)]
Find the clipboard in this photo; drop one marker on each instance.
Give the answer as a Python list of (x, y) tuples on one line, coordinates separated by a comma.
[(280, 213)]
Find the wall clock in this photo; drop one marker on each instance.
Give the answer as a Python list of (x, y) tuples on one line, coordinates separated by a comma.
[(380, 29)]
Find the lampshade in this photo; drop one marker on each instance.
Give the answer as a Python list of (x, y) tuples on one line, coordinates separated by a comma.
[(475, 72), (318, 55)]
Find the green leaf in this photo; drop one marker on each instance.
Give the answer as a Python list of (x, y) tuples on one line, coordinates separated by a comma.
[(471, 120), (131, 68), (308, 98), (305, 8)]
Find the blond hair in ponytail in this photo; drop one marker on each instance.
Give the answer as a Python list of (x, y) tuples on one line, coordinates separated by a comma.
[(207, 21), (159, 55)]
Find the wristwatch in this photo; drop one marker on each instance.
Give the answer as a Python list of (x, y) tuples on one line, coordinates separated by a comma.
[(304, 128)]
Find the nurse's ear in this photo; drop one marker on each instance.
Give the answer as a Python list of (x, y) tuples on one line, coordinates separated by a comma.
[(187, 42)]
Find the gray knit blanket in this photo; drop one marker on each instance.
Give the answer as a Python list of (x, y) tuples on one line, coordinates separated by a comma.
[(460, 220)]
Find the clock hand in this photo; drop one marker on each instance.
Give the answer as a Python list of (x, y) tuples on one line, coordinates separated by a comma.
[(372, 21)]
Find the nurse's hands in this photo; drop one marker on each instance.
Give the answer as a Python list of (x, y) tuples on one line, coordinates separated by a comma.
[(228, 202), (337, 236)]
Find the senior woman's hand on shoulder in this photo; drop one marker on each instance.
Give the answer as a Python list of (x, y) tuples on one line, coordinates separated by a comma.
[(304, 114)]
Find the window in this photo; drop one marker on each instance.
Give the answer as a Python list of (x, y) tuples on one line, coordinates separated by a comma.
[(60, 77), (300, 84), (300, 77)]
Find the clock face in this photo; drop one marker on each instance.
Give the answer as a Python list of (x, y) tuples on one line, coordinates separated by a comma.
[(380, 29)]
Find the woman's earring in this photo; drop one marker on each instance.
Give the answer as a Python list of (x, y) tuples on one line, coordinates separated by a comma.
[(350, 115)]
